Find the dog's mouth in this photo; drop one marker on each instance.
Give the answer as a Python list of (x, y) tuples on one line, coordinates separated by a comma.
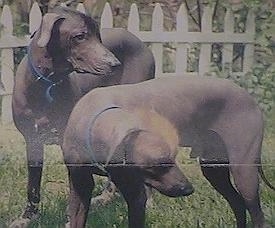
[(99, 70), (95, 67), (93, 73), (81, 71), (105, 72), (175, 191)]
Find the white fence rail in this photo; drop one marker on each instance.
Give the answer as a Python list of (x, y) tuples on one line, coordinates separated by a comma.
[(157, 37)]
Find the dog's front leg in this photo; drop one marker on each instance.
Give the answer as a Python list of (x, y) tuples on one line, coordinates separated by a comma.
[(81, 186), (136, 202), (133, 190), (35, 152)]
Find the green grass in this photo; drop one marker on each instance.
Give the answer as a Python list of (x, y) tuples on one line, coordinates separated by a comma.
[(204, 208)]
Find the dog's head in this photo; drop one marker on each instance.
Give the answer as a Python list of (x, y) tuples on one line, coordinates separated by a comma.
[(143, 141), (74, 37), (156, 161), (152, 147)]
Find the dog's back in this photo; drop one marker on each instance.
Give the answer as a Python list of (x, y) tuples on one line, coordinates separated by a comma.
[(181, 100)]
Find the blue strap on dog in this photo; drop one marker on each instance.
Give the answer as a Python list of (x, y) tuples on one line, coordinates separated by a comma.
[(89, 137), (40, 77), (48, 91)]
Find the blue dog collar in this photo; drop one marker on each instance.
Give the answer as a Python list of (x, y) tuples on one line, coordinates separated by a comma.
[(40, 77), (89, 137)]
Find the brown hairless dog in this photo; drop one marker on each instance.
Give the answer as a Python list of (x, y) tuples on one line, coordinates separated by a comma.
[(45, 91), (132, 147), (219, 120)]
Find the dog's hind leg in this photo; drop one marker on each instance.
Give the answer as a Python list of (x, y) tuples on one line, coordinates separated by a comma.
[(244, 159), (214, 166), (244, 152), (247, 182), (246, 179), (242, 134), (219, 178)]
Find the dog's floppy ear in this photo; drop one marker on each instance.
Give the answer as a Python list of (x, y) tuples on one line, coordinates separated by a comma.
[(123, 151), (46, 27)]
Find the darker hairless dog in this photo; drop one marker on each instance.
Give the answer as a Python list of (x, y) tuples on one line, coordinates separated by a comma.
[(219, 120), (45, 91)]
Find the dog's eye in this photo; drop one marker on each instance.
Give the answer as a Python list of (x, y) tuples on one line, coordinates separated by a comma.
[(80, 37)]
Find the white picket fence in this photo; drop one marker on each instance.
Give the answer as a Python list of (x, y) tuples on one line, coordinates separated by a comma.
[(157, 37)]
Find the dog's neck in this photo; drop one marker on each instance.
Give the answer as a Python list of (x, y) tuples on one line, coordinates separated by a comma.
[(44, 69), (40, 61), (52, 68), (115, 127)]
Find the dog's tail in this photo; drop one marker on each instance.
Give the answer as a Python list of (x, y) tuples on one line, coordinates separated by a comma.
[(266, 181)]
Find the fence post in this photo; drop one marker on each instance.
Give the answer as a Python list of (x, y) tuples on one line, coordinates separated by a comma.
[(182, 30), (157, 29), (205, 50), (80, 7), (133, 20), (35, 18), (7, 66), (107, 17), (227, 57), (249, 48), (227, 54)]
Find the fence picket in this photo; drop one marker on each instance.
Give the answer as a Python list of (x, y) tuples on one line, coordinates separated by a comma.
[(107, 17), (6, 21), (35, 18), (133, 20), (227, 55), (182, 29), (205, 50), (81, 8), (157, 29), (7, 66), (249, 48)]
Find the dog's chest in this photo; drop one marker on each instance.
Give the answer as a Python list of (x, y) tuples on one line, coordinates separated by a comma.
[(50, 118)]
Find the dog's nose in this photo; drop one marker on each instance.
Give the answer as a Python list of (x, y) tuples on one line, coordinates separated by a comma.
[(116, 62), (111, 60), (187, 189), (183, 189)]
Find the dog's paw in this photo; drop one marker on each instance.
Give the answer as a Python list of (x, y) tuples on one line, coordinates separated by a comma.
[(20, 223), (107, 196), (29, 215)]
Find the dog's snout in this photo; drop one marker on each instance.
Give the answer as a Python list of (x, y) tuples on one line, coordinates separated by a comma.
[(111, 60), (184, 189), (115, 62), (187, 189)]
